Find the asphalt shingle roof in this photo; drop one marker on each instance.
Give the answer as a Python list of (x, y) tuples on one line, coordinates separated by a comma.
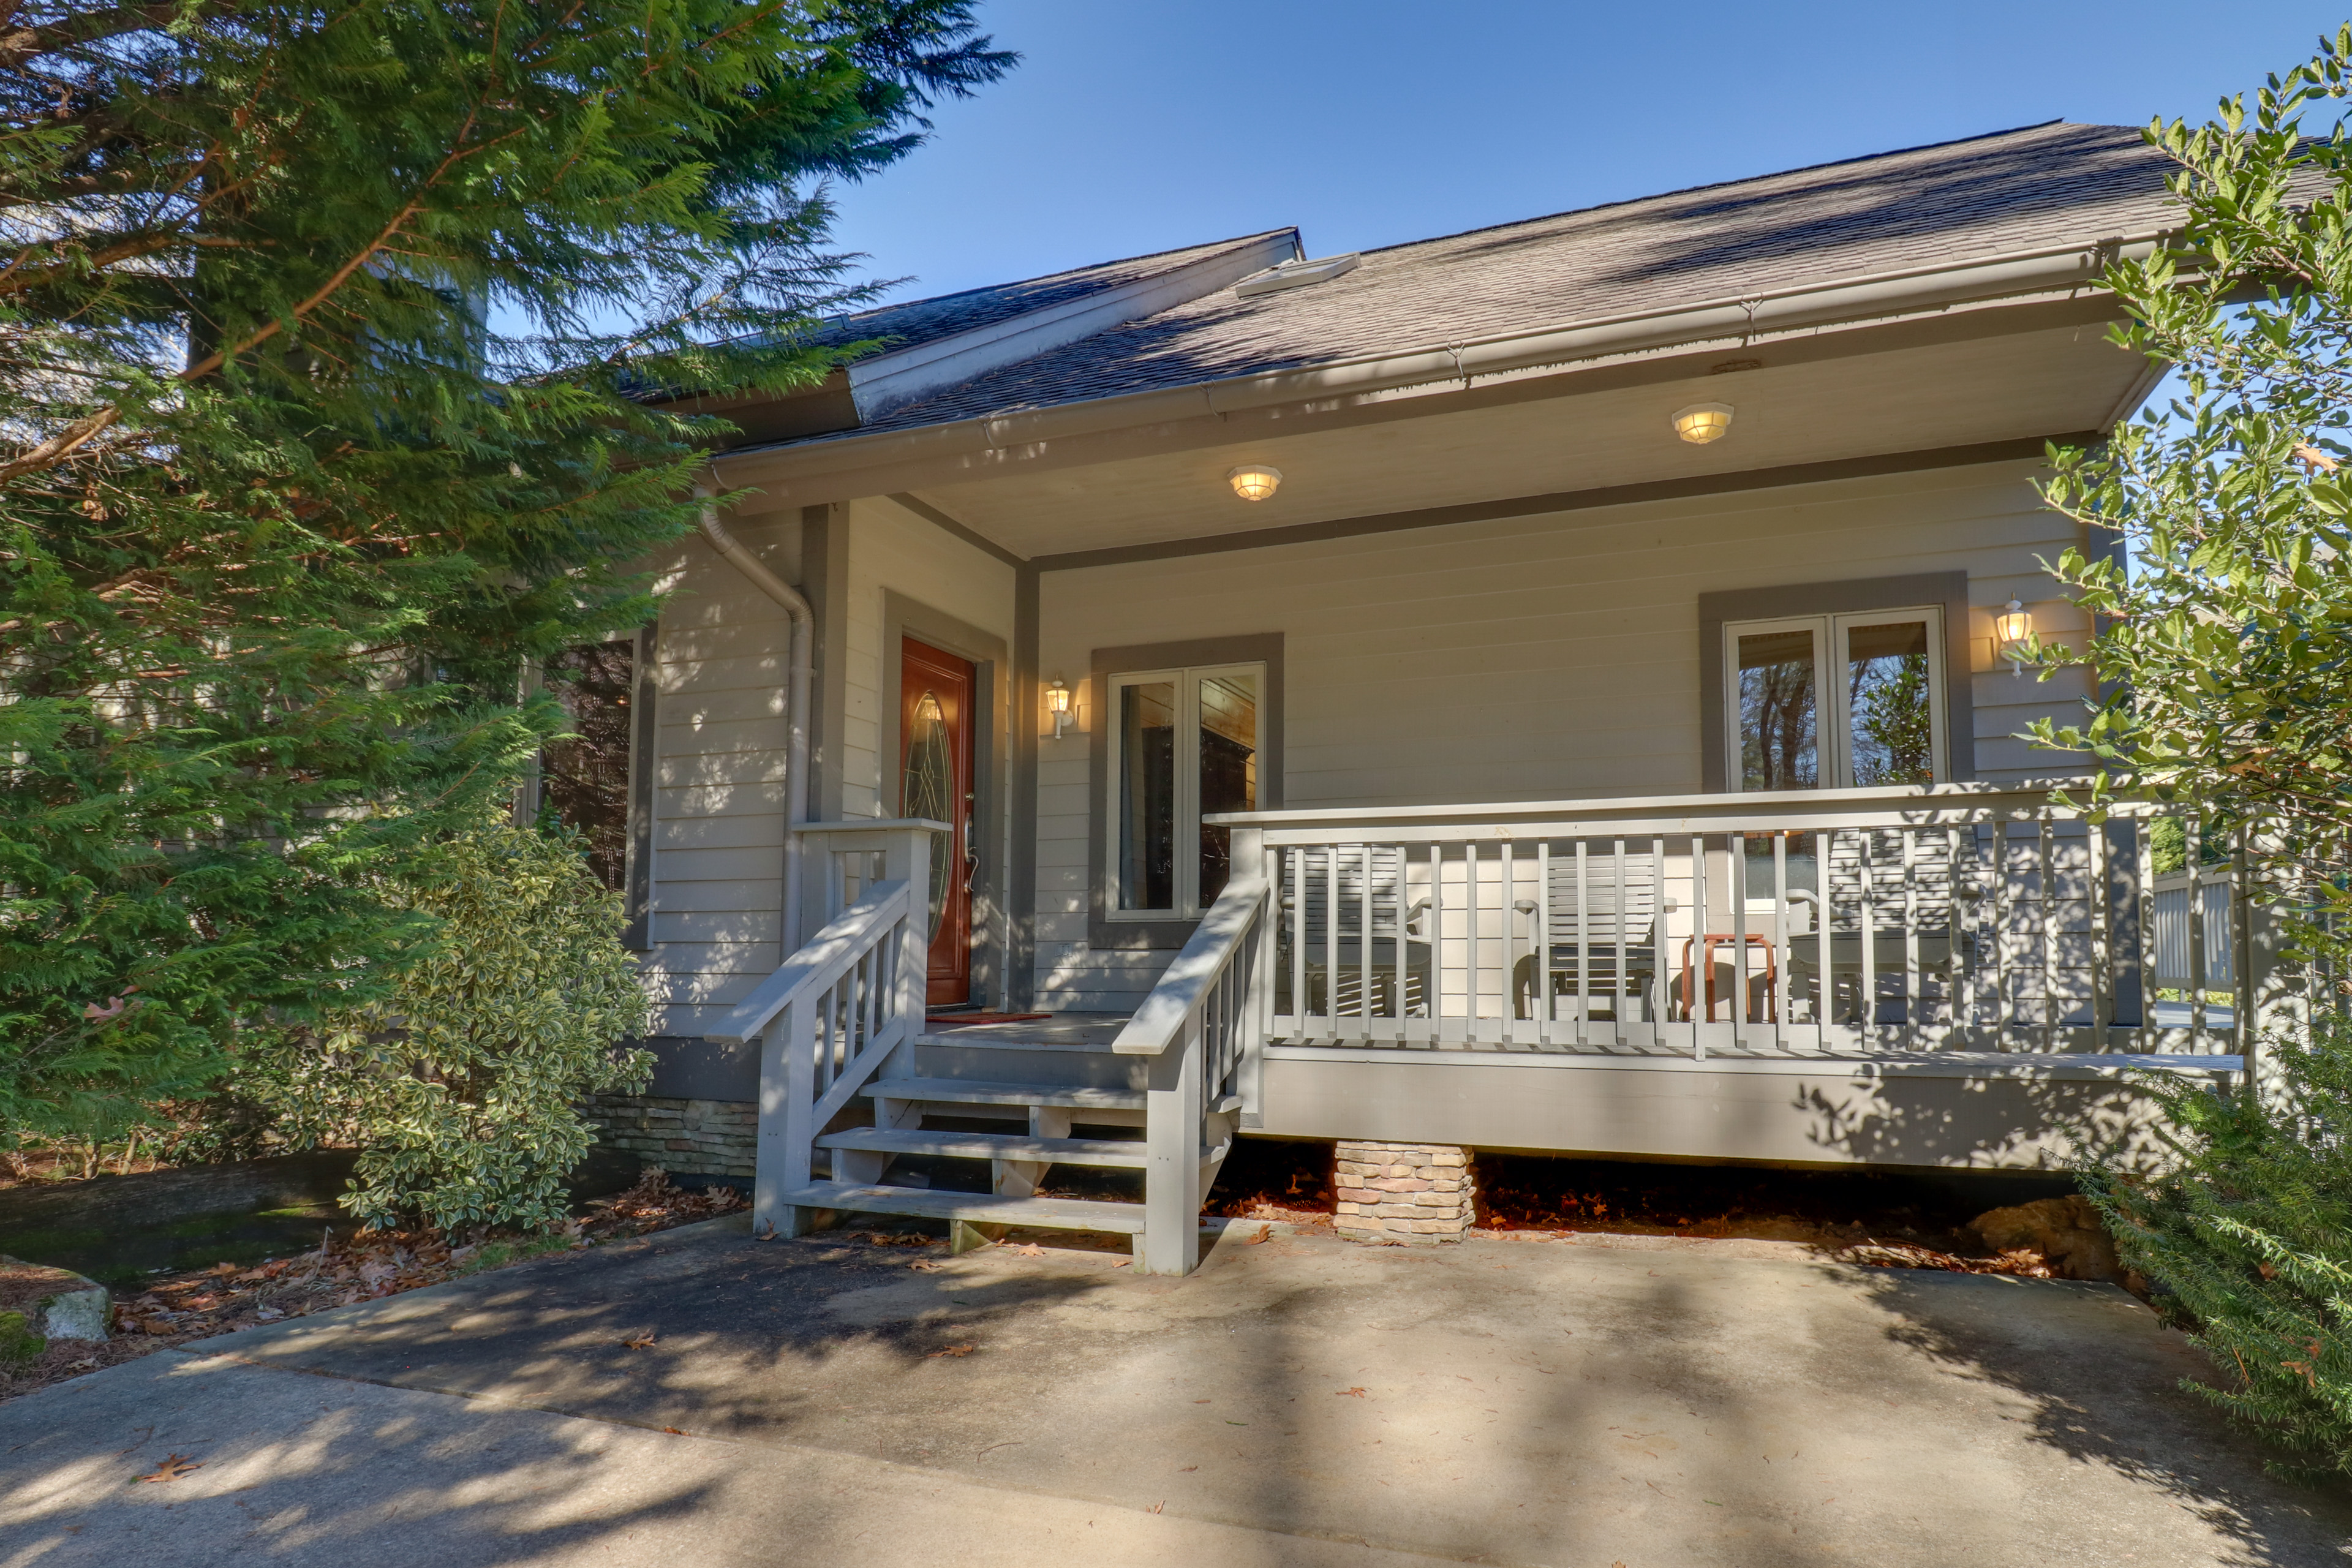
[(2016, 190)]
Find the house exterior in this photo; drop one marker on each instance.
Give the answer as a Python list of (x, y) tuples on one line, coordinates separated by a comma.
[(1515, 770)]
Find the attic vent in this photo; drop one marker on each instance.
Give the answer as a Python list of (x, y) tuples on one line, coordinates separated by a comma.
[(1296, 275)]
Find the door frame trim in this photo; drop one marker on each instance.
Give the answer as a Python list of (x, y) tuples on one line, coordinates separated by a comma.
[(904, 617)]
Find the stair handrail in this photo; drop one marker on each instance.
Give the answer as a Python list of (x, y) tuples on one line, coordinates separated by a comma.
[(849, 1001), (1186, 983), (820, 962)]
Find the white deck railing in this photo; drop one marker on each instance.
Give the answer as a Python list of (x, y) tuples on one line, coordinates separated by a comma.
[(1201, 1026), (1953, 918)]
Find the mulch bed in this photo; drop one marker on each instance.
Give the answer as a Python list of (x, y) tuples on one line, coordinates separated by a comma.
[(360, 1266)]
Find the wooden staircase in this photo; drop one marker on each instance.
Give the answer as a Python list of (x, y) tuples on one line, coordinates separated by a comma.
[(841, 1020), (1070, 1078)]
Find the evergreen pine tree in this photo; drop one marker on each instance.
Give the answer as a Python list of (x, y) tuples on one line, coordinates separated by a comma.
[(322, 328)]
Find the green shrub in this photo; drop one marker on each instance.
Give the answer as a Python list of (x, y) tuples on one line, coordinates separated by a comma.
[(461, 1087), (2248, 1243)]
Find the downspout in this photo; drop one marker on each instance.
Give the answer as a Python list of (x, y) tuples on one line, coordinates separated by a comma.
[(796, 700)]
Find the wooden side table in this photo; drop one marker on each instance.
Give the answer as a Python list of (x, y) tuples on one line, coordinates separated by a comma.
[(1728, 938)]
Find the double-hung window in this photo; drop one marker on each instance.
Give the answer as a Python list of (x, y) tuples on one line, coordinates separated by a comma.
[(1185, 744), (1840, 702)]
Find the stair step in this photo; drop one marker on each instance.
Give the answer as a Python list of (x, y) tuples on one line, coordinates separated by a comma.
[(991, 1146), (974, 1091), (979, 1208)]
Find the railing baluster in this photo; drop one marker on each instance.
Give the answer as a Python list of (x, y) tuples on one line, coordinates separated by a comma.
[(1911, 939), (1824, 946), (1698, 930), (1584, 942), (2192, 838), (1437, 944), (1293, 882), (1955, 939), (2004, 1010), (1617, 1008), (1781, 954), (1737, 862), (1470, 901), (1403, 900), (1366, 986), (2102, 946), (1866, 842), (1508, 873), (2045, 842), (1539, 931), (2144, 888), (1331, 909)]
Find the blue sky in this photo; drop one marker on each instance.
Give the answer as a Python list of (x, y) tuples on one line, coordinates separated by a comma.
[(1139, 125)]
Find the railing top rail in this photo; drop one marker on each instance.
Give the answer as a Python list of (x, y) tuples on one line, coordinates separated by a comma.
[(818, 963), (1186, 981), (1925, 804), (872, 825)]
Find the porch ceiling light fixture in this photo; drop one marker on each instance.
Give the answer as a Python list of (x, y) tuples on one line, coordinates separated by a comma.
[(1254, 481), (2011, 628), (1057, 703), (1703, 421)]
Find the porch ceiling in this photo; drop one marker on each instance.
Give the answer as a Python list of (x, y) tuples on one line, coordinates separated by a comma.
[(1802, 406)]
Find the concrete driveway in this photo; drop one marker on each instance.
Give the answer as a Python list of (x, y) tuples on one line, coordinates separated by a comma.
[(1300, 1401)]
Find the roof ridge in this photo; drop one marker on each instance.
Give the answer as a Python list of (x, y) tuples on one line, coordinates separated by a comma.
[(1210, 244), (1726, 185)]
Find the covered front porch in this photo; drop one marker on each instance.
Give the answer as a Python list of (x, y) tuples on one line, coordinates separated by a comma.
[(1945, 976)]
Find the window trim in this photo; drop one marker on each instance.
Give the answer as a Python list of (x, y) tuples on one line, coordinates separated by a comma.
[(1834, 725), (1186, 679), (1719, 761), (1142, 930)]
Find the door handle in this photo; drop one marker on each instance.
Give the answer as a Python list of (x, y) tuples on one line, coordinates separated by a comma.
[(970, 867)]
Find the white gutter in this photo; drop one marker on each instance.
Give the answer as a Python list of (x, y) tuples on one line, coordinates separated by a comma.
[(796, 700), (1872, 297)]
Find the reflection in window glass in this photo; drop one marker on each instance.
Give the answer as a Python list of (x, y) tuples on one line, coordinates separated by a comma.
[(1228, 769), (1779, 739), (584, 778), (1147, 805), (1893, 735), (929, 789)]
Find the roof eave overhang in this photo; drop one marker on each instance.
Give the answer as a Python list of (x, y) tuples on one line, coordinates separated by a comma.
[(2012, 277)]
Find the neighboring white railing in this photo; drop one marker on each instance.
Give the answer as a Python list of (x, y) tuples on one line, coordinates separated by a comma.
[(838, 1009), (1953, 917), (1202, 1026), (2194, 951)]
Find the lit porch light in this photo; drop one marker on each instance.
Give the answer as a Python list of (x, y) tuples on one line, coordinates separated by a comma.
[(1057, 704), (1703, 421), (2011, 628), (1254, 481)]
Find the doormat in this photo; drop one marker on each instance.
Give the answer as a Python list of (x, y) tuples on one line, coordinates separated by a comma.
[(959, 1020)]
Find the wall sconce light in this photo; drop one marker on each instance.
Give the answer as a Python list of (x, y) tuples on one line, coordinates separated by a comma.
[(1057, 703), (2011, 628), (1703, 421), (1254, 481)]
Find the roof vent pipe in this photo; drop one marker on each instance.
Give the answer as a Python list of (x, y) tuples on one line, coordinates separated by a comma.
[(796, 700)]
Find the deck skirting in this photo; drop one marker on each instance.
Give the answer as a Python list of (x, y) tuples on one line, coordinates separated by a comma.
[(1946, 1110)]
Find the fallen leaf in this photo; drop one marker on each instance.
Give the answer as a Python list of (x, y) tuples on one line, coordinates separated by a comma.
[(926, 1267), (642, 1343), (1188, 1469), (1029, 1249), (172, 1469), (674, 1431), (87, 1360), (953, 1349), (1351, 1394), (1122, 1262), (1263, 1232), (1155, 1507)]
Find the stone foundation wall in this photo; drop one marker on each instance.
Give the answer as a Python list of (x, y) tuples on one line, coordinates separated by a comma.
[(1403, 1192), (684, 1137)]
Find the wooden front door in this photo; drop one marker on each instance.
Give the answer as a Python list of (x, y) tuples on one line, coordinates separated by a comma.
[(935, 773)]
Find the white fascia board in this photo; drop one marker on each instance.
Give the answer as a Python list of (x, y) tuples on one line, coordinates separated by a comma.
[(907, 375)]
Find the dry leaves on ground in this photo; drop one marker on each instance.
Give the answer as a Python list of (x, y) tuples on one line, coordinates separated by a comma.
[(172, 1469), (642, 1343), (1351, 1393), (1029, 1249), (1903, 1255), (953, 1350)]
